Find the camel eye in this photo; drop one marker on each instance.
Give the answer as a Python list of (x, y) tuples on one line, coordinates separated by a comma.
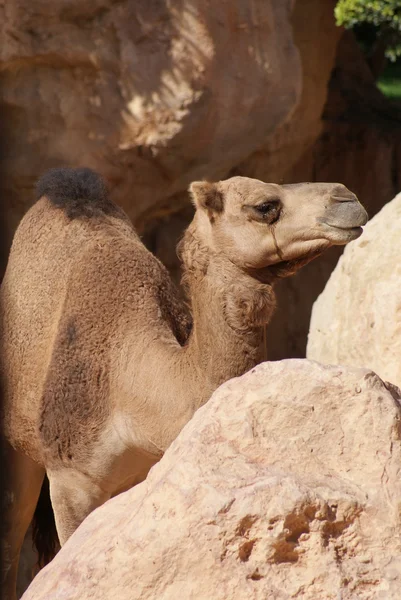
[(269, 211)]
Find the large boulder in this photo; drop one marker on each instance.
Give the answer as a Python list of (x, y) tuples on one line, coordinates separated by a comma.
[(153, 94), (285, 484), (357, 319)]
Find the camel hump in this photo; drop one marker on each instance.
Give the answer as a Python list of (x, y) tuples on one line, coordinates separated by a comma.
[(79, 192)]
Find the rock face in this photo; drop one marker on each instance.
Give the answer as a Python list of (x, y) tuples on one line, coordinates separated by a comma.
[(276, 160), (286, 484), (357, 319), (152, 94)]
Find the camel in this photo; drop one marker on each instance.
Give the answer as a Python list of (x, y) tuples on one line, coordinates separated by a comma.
[(102, 362)]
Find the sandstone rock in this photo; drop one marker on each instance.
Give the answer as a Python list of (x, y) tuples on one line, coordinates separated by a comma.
[(286, 484), (314, 27), (357, 319), (153, 94)]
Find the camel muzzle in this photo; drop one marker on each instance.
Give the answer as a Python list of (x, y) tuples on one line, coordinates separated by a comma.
[(345, 212)]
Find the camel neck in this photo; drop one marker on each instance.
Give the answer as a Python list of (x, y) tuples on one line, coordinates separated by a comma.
[(230, 310)]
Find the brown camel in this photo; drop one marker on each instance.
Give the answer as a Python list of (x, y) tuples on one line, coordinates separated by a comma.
[(101, 363)]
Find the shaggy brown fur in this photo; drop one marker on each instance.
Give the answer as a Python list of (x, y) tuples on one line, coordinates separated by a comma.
[(102, 363), (80, 192)]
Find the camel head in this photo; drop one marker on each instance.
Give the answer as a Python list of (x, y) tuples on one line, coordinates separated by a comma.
[(260, 225)]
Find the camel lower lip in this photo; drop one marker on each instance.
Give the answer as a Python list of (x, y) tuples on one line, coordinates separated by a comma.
[(342, 235), (347, 229)]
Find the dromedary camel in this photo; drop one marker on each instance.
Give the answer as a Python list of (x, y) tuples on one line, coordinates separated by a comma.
[(100, 363)]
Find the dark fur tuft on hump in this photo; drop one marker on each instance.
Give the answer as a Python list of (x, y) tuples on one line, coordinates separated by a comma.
[(80, 192)]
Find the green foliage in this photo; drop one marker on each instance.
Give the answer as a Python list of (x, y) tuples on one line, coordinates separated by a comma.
[(390, 82), (385, 15)]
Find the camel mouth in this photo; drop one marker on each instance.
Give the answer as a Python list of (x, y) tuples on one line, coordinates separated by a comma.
[(357, 229), (343, 235)]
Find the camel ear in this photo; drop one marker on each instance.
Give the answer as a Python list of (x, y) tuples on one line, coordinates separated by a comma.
[(206, 195)]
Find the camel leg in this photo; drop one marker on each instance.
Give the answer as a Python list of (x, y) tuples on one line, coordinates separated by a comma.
[(22, 489), (74, 496)]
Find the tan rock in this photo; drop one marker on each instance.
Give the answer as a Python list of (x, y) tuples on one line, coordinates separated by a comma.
[(286, 484), (357, 319), (152, 95), (314, 27)]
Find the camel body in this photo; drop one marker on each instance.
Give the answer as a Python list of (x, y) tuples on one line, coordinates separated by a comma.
[(86, 298), (102, 363)]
